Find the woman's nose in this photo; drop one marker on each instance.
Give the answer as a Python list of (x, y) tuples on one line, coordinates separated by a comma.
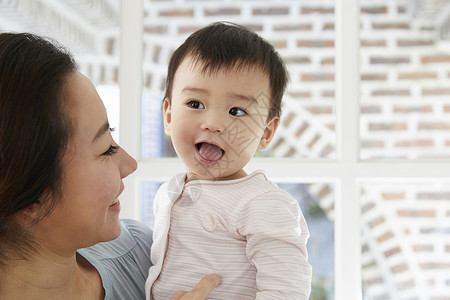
[(127, 163)]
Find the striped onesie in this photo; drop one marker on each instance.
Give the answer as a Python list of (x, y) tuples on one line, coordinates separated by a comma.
[(248, 231)]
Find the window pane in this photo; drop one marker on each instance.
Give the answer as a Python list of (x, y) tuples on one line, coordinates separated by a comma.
[(89, 29), (405, 240), (317, 203), (405, 79), (302, 32)]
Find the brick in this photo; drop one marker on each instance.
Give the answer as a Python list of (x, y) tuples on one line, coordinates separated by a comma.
[(319, 110), (300, 131), (417, 75), (290, 153), (419, 143), (393, 60), (187, 29), (155, 29), (393, 196), (293, 27), (390, 25), (435, 91), (370, 109), (328, 94), (271, 11), (317, 10), (288, 119), (435, 266), (434, 126), (225, 11), (327, 61), (392, 252), (399, 268), (402, 9), (414, 43), (328, 27), (365, 144), (384, 237), (433, 196), (367, 207), (394, 126), (365, 43), (297, 60), (377, 221), (304, 94), (177, 13), (423, 248), (374, 10), (400, 109), (375, 281), (317, 77), (414, 213), (391, 92), (313, 141), (315, 43), (373, 77), (326, 151), (427, 27), (406, 285), (279, 43), (435, 59)]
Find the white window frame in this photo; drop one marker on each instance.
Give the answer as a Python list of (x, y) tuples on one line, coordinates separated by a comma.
[(345, 173)]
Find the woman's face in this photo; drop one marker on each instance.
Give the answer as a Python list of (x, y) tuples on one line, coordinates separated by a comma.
[(93, 169)]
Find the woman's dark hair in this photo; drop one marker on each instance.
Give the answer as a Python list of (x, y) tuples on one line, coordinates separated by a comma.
[(227, 45), (34, 132)]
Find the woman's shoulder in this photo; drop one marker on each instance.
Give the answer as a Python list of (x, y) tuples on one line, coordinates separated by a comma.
[(123, 263)]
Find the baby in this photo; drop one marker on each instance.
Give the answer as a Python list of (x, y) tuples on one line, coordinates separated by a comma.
[(222, 104)]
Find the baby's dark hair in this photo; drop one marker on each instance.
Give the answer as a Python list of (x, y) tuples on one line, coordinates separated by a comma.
[(226, 45)]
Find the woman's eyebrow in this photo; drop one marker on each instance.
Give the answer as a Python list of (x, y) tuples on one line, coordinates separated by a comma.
[(101, 131)]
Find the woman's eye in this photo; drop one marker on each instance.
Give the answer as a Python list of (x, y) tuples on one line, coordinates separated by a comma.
[(111, 150), (196, 105), (237, 112)]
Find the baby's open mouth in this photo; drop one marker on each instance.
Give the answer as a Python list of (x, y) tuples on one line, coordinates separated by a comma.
[(209, 152)]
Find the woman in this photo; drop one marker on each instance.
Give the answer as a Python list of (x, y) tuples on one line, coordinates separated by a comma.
[(60, 178)]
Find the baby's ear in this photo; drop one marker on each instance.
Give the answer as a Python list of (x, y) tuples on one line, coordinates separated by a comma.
[(268, 134), (167, 115)]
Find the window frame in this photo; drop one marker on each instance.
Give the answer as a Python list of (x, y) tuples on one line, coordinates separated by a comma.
[(346, 172)]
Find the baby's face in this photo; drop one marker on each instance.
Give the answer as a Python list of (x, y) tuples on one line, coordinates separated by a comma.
[(218, 120)]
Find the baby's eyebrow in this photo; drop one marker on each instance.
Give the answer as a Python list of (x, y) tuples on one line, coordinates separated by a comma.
[(242, 97), (195, 90), (105, 127)]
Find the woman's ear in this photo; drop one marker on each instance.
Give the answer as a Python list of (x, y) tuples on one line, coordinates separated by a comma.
[(167, 116), (268, 134)]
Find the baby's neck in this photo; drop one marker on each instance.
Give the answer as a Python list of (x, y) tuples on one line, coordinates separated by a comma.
[(192, 176)]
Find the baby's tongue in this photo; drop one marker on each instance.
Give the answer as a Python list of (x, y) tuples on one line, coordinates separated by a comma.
[(210, 152)]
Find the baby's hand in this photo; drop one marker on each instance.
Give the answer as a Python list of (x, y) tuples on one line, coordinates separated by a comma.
[(205, 286)]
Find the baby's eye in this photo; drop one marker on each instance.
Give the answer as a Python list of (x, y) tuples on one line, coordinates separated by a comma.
[(196, 104), (237, 112)]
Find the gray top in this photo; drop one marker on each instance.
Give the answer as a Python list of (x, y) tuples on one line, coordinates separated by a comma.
[(123, 263)]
